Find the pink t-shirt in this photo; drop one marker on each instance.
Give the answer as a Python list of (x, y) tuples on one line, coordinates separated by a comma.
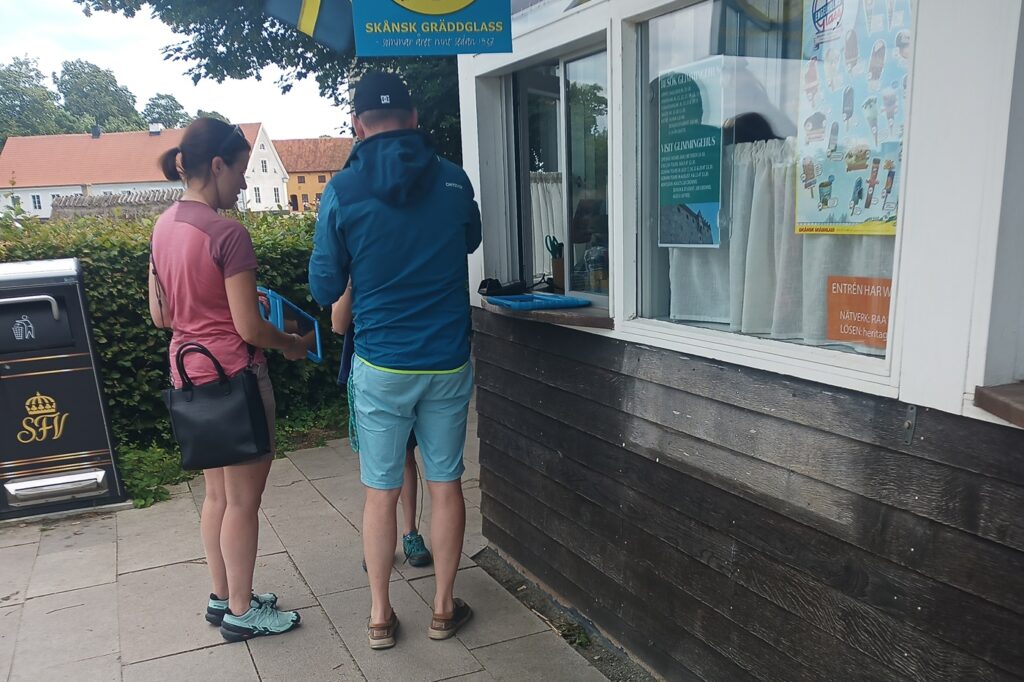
[(195, 249)]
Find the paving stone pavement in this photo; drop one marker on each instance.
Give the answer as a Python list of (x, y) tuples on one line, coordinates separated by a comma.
[(122, 596)]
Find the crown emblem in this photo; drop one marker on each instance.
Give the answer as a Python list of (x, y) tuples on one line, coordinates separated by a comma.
[(40, 405)]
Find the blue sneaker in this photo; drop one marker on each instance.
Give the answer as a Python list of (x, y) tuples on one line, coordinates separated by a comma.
[(416, 552), (216, 608), (258, 621)]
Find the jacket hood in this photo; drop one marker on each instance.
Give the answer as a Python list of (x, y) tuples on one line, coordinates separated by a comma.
[(395, 167)]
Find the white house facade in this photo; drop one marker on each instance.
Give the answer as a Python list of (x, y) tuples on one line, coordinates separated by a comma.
[(36, 170), (266, 178)]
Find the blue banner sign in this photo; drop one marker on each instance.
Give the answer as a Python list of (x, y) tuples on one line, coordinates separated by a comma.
[(390, 28)]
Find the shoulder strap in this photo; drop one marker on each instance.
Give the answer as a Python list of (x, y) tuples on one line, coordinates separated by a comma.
[(159, 287)]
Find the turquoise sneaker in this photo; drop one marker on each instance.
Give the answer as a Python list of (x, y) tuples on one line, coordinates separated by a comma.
[(216, 608), (258, 621), (416, 552)]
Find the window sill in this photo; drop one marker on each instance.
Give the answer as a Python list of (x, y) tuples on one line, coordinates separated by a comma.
[(1005, 402), (589, 316)]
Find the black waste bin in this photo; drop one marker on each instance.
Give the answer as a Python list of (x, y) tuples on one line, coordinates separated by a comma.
[(56, 450)]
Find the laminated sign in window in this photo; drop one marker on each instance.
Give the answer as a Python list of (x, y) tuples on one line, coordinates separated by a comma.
[(855, 79), (690, 154)]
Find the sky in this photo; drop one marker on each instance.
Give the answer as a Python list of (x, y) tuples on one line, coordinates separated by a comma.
[(54, 31)]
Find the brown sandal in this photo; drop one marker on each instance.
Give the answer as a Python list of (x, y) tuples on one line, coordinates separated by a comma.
[(382, 635), (445, 625)]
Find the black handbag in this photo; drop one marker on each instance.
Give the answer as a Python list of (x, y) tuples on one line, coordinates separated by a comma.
[(219, 423)]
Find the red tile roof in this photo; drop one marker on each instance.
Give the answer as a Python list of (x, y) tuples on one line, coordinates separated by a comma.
[(314, 154), (54, 160)]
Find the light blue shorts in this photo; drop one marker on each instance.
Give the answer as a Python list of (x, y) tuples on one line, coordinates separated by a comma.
[(388, 405)]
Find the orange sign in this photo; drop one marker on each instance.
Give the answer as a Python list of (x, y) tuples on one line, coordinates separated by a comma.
[(858, 310)]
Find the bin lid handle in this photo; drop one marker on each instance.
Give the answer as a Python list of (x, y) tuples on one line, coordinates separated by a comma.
[(35, 299)]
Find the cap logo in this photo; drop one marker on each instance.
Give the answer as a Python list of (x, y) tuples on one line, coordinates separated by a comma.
[(385, 99)]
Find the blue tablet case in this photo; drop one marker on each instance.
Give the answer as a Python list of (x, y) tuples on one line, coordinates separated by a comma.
[(537, 301), (281, 308)]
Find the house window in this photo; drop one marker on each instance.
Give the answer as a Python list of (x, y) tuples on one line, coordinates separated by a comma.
[(305, 201), (256, 194), (37, 202), (15, 201), (318, 195), (302, 179), (263, 165), (262, 146), (771, 158), (561, 126), (277, 195), (321, 178)]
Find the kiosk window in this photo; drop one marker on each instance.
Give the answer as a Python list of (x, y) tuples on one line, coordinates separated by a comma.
[(772, 159), (561, 121)]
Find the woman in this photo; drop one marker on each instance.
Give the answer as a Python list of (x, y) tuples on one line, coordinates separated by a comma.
[(202, 285)]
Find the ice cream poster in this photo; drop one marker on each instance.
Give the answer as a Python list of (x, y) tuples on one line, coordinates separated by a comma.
[(854, 90), (690, 154)]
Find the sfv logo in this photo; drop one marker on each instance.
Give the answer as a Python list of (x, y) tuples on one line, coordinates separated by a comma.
[(44, 421)]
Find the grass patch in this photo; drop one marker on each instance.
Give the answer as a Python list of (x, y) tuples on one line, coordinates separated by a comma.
[(146, 471), (312, 427)]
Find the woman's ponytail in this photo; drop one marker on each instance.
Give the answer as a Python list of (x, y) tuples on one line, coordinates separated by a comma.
[(203, 140), (169, 164)]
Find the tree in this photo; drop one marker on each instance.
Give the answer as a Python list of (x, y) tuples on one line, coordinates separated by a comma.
[(27, 106), (212, 114), (234, 39), (165, 110), (89, 91)]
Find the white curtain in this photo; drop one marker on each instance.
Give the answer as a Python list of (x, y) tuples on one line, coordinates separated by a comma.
[(547, 215), (765, 279)]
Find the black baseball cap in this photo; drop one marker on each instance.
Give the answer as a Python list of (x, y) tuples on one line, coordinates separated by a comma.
[(379, 90)]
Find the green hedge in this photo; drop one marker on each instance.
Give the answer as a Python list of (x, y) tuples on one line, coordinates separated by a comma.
[(133, 353)]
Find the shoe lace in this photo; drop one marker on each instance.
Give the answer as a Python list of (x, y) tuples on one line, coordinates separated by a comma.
[(267, 616), (415, 545)]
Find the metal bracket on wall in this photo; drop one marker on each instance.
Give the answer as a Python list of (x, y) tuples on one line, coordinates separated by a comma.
[(909, 425)]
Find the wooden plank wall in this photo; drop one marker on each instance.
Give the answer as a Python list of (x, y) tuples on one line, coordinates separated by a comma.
[(732, 524)]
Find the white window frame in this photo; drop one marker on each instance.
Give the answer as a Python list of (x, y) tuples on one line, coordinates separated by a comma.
[(37, 202), (256, 195), (939, 312), (277, 195), (563, 60), (263, 166)]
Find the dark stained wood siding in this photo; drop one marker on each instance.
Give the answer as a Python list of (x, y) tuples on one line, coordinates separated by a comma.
[(730, 524)]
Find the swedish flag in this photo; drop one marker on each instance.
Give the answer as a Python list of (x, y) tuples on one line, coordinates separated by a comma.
[(329, 22)]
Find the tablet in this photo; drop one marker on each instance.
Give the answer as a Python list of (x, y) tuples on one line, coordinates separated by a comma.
[(291, 319)]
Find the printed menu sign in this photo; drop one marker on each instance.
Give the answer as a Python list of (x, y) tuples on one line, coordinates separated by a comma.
[(855, 79), (690, 154)]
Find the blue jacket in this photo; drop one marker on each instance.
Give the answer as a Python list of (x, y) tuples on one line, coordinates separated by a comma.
[(399, 220)]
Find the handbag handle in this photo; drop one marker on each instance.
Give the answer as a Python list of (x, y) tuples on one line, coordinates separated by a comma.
[(193, 347)]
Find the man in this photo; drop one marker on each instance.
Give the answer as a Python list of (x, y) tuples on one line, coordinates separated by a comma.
[(399, 221)]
